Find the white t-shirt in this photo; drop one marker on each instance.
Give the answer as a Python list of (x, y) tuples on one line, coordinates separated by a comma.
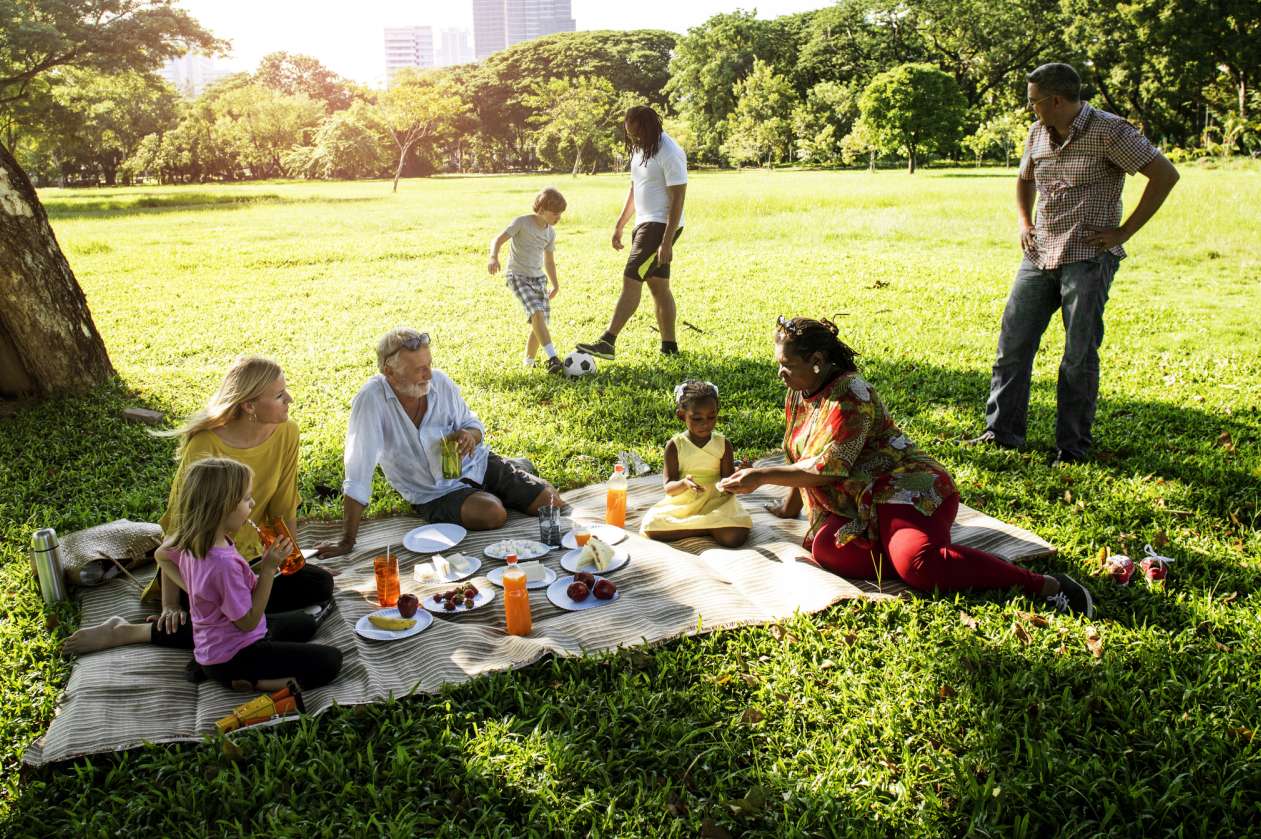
[(668, 167), (529, 241)]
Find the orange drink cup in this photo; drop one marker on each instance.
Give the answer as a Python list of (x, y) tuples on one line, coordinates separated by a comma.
[(295, 560), (582, 534), (386, 569), (516, 599)]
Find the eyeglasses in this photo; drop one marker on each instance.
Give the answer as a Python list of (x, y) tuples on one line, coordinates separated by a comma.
[(1031, 103), (415, 342), (792, 326)]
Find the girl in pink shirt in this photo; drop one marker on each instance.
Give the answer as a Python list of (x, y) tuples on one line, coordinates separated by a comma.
[(226, 598)]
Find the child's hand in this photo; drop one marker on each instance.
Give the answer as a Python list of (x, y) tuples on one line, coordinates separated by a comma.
[(275, 554), (693, 485), (171, 619), (555, 290), (493, 265)]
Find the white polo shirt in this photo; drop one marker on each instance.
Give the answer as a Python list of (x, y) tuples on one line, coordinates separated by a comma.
[(666, 168), (380, 432)]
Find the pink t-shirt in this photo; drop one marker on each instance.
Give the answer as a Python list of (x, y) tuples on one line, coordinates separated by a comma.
[(220, 591)]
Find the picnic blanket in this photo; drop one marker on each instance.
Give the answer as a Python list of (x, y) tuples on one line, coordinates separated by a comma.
[(125, 697)]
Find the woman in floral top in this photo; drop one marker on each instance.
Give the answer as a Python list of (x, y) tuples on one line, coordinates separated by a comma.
[(871, 496)]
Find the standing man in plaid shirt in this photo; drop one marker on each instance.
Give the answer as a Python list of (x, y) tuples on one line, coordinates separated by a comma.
[(1076, 159)]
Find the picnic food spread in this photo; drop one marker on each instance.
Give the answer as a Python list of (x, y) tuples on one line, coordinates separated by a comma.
[(595, 553), (460, 596), (393, 624)]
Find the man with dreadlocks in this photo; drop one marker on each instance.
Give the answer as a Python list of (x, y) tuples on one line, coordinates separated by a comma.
[(658, 185)]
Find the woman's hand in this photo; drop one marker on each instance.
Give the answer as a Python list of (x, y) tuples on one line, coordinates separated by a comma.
[(171, 619), (741, 482)]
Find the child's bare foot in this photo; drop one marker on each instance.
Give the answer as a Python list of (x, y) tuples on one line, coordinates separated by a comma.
[(115, 632)]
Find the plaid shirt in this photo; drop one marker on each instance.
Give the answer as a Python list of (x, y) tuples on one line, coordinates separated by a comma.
[(1079, 183)]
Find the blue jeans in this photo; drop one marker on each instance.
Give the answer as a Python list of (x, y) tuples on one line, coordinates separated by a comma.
[(1079, 290)]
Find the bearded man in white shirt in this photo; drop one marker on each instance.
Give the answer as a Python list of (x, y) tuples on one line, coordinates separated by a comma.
[(398, 421)]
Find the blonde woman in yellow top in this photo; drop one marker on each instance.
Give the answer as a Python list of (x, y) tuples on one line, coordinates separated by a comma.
[(695, 460), (247, 420)]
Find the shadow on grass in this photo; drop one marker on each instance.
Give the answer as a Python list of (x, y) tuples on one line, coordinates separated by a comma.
[(147, 204)]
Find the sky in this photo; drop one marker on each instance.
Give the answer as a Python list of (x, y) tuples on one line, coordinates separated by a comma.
[(348, 37)]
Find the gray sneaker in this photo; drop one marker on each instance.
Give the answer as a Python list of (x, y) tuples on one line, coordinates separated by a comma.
[(600, 349), (1072, 597)]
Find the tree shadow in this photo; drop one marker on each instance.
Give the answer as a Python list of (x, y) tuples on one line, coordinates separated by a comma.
[(139, 204)]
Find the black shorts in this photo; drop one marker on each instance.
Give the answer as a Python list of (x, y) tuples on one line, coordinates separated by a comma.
[(642, 262), (516, 488)]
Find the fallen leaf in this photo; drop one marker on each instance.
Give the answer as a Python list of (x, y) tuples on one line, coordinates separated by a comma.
[(753, 802), (1221, 647), (968, 621), (1094, 641), (1102, 557), (1022, 634), (1160, 540), (1242, 733), (946, 691), (827, 664), (676, 807), (233, 752), (750, 680), (1034, 618), (850, 638), (1068, 496), (752, 716), (1229, 598), (1225, 442), (709, 830)]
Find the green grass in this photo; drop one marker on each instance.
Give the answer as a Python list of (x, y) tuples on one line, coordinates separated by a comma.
[(896, 718)]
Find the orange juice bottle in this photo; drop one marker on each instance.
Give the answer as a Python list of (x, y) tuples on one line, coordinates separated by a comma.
[(386, 570), (269, 532), (615, 504), (516, 599)]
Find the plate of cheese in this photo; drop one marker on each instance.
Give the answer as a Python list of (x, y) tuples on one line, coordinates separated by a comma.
[(523, 548), (446, 568), (536, 575), (596, 556)]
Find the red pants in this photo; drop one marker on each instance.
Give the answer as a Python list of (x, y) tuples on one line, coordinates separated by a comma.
[(918, 549)]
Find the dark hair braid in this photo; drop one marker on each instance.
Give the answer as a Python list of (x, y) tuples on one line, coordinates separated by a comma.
[(692, 391), (803, 337), (648, 126)]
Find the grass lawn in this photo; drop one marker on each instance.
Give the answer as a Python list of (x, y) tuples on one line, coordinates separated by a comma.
[(899, 718)]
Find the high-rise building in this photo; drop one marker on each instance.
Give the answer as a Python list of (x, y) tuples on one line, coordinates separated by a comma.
[(192, 73), (407, 46), (455, 46), (501, 23)]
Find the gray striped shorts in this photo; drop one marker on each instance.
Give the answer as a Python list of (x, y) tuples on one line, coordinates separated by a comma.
[(532, 292)]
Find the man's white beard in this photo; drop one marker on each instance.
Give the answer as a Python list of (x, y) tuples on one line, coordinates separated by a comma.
[(413, 391)]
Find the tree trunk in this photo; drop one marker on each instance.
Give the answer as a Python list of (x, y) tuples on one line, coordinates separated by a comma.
[(577, 162), (48, 343), (910, 163), (402, 158)]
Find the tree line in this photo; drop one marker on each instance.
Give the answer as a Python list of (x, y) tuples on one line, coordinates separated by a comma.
[(854, 83)]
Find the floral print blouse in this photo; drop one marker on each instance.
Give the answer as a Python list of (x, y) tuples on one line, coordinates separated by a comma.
[(844, 431)]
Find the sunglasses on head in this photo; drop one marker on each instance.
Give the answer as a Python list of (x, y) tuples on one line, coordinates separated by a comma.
[(791, 325), (415, 342)]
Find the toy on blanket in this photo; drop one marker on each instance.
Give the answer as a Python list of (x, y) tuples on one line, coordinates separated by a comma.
[(287, 700)]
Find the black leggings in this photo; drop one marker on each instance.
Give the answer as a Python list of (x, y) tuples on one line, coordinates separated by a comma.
[(312, 665), (308, 586)]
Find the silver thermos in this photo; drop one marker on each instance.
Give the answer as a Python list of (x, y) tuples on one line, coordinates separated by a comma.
[(46, 562)]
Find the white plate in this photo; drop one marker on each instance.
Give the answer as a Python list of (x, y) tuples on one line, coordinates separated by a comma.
[(365, 628), (432, 578), (496, 576), (606, 533), (434, 538), (524, 548), (556, 594), (484, 596), (570, 561)]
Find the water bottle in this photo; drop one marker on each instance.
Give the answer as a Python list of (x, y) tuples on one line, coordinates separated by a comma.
[(46, 560)]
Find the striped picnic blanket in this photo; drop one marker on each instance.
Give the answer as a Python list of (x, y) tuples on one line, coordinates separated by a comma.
[(122, 698)]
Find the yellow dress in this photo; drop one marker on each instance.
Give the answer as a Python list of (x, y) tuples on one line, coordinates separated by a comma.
[(691, 511)]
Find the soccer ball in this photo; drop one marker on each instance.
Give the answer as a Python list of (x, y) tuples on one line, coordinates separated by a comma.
[(578, 364)]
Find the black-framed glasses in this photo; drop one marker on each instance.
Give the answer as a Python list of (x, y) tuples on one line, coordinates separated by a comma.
[(1029, 104), (415, 342)]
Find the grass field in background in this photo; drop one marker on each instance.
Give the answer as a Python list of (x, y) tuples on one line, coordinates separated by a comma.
[(865, 719)]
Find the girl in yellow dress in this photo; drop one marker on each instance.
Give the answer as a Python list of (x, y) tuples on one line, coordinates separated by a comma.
[(695, 461)]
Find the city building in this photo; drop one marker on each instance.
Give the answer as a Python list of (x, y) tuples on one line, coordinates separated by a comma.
[(407, 46), (501, 23), (455, 46), (192, 73)]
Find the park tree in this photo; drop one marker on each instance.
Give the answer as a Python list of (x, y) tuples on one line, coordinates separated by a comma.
[(302, 75), (822, 121), (1006, 131), (759, 130), (48, 341), (913, 109), (419, 107), (349, 144), (263, 124), (578, 120)]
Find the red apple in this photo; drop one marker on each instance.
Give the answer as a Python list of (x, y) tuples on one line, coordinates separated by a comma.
[(605, 590), (408, 604), (578, 591), (586, 578)]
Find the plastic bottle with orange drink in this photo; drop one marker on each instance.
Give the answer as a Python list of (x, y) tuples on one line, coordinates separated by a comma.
[(615, 503), (516, 599)]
